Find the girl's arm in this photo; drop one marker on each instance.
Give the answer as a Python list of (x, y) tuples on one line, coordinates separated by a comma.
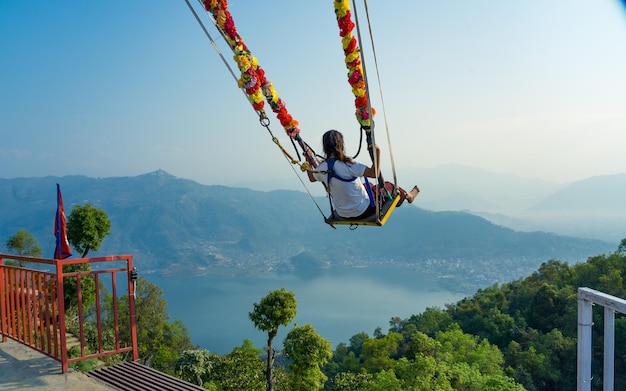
[(371, 171)]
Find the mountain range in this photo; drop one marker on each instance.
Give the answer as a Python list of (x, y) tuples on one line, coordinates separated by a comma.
[(174, 225)]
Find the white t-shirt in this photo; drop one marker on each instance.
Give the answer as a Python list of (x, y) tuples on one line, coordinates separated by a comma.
[(349, 199)]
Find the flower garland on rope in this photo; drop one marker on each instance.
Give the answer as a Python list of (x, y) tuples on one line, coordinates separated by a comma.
[(353, 61), (252, 79)]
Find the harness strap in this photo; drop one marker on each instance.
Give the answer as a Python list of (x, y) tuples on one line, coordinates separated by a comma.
[(330, 173), (370, 193)]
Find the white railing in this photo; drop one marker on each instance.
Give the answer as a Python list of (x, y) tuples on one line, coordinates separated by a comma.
[(586, 299)]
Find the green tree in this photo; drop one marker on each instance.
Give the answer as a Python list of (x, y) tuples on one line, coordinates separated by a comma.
[(160, 340), (385, 381), (347, 358), (379, 353), (343, 360), (420, 372), (276, 309), (621, 249), (194, 365), (241, 369), (459, 347), (430, 321), (420, 343), (357, 341), (463, 376), (23, 243), (87, 227), (70, 287), (308, 351), (350, 381)]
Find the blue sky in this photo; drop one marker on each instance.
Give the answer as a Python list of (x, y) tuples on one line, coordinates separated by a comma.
[(120, 88)]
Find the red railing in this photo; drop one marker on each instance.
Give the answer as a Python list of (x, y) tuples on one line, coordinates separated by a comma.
[(32, 305)]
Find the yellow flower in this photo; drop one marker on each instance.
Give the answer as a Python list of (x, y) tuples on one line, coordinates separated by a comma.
[(341, 7), (231, 43), (221, 18), (248, 64), (273, 95), (352, 56), (256, 97), (345, 41), (243, 62)]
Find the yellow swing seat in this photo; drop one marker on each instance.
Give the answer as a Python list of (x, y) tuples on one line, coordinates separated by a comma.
[(372, 220)]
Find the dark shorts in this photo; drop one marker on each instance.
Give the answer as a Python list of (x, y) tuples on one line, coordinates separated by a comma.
[(368, 212)]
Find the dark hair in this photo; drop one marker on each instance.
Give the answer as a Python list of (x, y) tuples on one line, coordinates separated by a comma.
[(332, 142)]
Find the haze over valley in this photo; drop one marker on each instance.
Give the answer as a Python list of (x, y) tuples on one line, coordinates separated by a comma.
[(172, 224)]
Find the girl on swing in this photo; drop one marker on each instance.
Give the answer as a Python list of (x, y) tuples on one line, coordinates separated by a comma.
[(349, 196)]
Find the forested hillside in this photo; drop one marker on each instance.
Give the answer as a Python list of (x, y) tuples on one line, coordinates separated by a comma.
[(531, 322)]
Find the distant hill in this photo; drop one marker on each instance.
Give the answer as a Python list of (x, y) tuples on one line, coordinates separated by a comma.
[(173, 225), (598, 195), (592, 208), (459, 187)]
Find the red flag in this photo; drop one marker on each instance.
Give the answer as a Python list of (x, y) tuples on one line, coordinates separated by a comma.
[(62, 249)]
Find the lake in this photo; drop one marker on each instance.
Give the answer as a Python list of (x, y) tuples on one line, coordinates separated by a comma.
[(339, 302)]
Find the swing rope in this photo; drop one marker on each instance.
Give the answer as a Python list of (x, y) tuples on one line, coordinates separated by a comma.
[(253, 79), (254, 85), (382, 99), (357, 78)]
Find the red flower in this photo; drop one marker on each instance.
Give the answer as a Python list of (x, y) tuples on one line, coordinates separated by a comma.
[(281, 112), (359, 84), (260, 74), (286, 121), (354, 63), (351, 46), (345, 24), (229, 28), (361, 101), (252, 90)]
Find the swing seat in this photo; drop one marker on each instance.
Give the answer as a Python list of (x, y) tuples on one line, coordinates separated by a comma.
[(373, 220)]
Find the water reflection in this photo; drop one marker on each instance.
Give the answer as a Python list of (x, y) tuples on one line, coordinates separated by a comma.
[(338, 302)]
